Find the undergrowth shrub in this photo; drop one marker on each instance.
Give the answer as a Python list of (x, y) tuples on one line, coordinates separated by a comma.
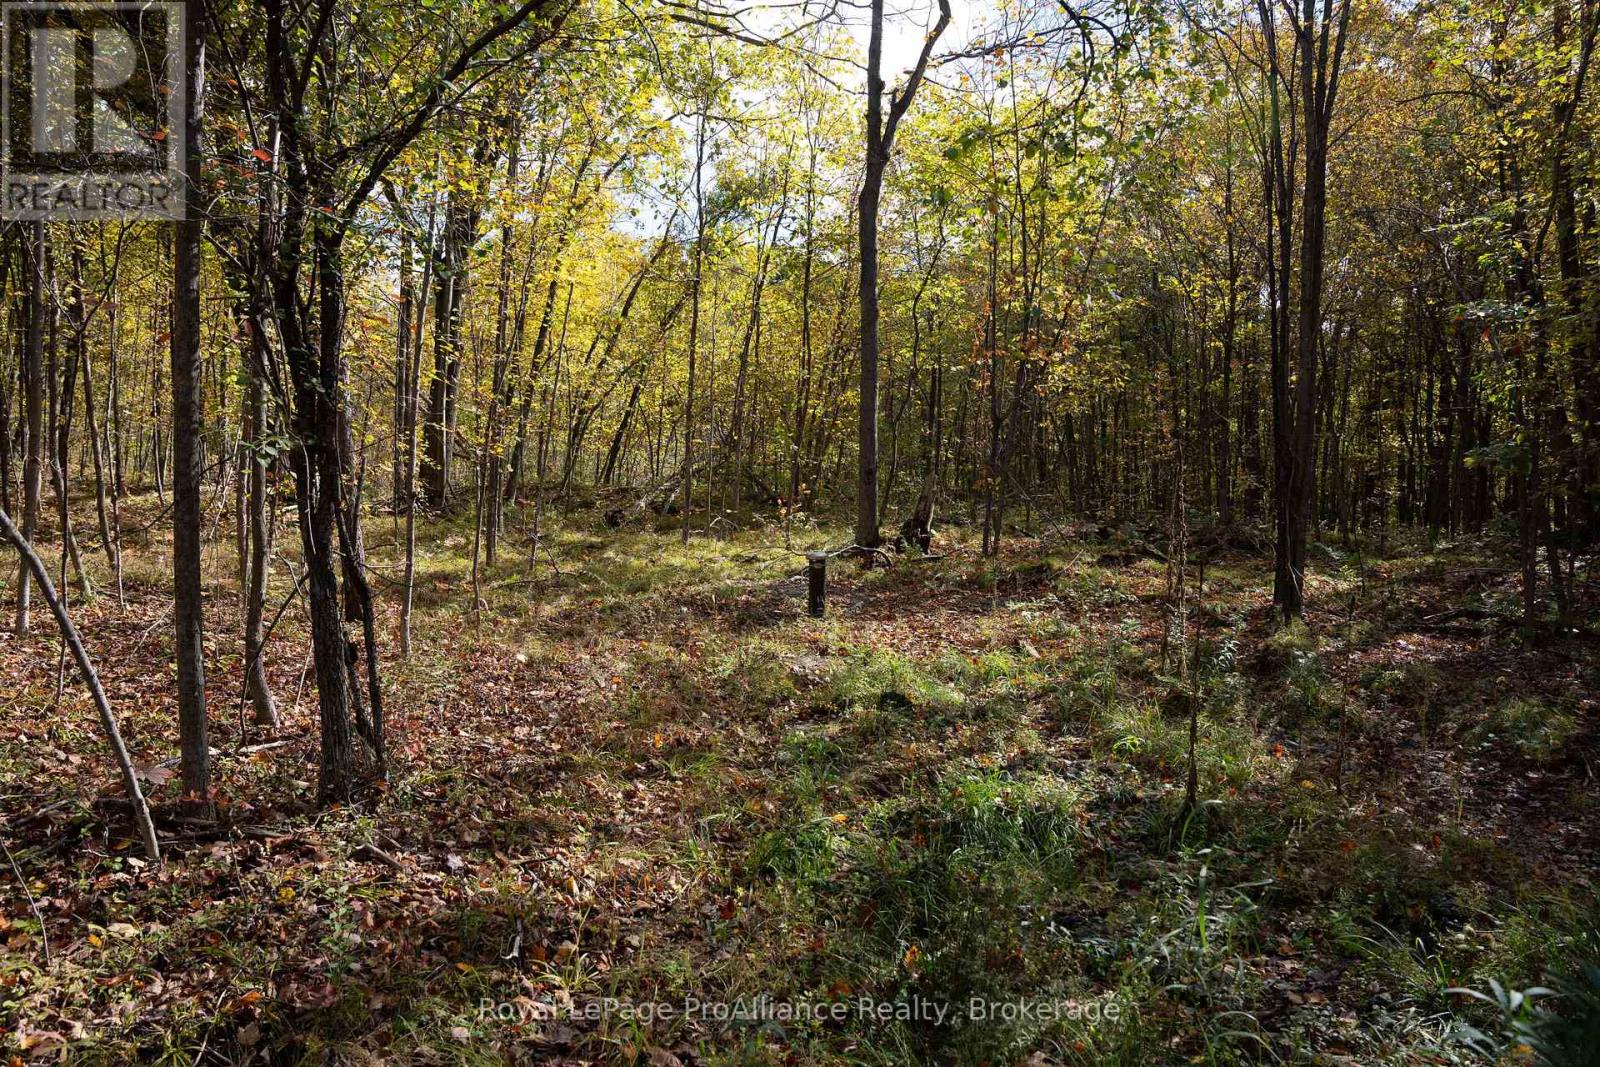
[(1532, 728)]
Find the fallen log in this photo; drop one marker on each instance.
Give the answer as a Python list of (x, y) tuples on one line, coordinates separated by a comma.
[(616, 518)]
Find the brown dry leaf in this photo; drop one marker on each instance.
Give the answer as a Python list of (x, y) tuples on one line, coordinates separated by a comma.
[(40, 1043), (154, 773)]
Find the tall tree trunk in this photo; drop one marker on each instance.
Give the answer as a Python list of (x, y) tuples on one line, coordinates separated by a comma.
[(62, 462), (449, 283), (108, 537), (59, 468), (255, 431), (1583, 333), (991, 342), (413, 403), (877, 159), (33, 412), (1319, 28), (685, 496), (489, 497), (402, 372), (188, 618), (356, 592), (316, 469), (881, 129)]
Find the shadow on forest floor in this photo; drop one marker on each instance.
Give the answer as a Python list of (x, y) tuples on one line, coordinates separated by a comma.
[(642, 773)]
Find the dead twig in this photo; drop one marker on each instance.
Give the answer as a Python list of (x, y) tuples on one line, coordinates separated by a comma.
[(376, 854), (33, 905)]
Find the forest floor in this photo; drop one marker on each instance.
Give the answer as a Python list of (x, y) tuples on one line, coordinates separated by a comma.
[(643, 809)]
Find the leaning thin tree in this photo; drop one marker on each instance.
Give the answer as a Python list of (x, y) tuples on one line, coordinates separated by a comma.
[(69, 634)]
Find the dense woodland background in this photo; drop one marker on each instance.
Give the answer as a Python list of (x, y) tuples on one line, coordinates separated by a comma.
[(1130, 342)]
